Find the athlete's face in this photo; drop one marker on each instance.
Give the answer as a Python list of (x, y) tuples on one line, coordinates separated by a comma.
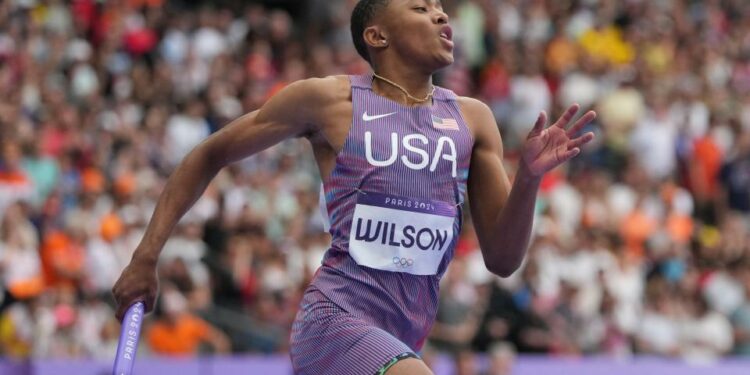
[(419, 30)]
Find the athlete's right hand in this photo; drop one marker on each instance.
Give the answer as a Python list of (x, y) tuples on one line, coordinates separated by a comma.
[(138, 282)]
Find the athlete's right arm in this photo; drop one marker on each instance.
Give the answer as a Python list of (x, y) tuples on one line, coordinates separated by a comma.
[(295, 110)]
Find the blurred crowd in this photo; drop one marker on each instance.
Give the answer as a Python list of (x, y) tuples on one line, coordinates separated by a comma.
[(641, 244)]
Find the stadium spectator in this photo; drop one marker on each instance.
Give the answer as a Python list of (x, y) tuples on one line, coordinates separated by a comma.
[(642, 244)]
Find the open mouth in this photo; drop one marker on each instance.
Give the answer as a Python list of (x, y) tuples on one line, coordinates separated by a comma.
[(446, 33)]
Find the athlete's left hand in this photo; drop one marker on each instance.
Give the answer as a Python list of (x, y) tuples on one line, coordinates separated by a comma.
[(548, 147)]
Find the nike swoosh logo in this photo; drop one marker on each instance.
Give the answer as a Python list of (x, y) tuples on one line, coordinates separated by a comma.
[(365, 117)]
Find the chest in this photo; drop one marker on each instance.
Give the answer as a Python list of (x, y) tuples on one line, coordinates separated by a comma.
[(428, 139)]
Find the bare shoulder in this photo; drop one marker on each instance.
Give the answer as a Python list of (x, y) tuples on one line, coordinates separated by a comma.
[(307, 102), (326, 90), (477, 114)]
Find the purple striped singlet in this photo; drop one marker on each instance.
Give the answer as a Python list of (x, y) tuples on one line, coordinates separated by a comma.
[(394, 203)]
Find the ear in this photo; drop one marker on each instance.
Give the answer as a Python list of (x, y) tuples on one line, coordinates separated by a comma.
[(375, 37)]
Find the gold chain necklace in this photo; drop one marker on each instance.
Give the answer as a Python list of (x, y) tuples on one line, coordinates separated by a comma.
[(426, 98)]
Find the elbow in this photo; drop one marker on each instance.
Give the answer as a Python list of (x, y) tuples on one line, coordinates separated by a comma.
[(503, 260), (506, 272), (503, 269)]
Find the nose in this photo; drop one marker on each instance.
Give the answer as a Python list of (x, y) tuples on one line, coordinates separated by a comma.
[(441, 18)]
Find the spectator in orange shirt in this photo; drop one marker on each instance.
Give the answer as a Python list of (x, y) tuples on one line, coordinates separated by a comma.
[(63, 257), (637, 227), (703, 174), (176, 332)]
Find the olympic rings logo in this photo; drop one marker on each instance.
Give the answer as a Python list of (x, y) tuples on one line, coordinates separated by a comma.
[(403, 262)]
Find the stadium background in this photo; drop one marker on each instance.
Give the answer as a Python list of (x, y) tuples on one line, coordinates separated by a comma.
[(642, 243)]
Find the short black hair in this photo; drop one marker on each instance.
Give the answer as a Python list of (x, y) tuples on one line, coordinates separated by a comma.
[(362, 15)]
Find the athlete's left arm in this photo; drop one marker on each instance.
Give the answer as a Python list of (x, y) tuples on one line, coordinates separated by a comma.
[(503, 213)]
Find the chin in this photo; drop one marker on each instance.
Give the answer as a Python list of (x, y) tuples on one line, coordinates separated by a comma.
[(444, 61)]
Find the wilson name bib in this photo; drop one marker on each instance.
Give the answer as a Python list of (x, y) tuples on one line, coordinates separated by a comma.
[(401, 234)]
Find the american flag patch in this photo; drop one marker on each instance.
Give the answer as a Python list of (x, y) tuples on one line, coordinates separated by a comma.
[(444, 123)]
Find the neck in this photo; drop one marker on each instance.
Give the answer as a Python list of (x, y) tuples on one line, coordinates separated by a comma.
[(415, 83)]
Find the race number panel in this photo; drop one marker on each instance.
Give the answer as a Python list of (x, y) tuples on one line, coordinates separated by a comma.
[(401, 234)]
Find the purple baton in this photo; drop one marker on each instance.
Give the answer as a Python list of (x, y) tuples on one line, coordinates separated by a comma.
[(128, 344)]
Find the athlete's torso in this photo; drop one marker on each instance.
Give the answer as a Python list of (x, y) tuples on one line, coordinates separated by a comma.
[(394, 201)]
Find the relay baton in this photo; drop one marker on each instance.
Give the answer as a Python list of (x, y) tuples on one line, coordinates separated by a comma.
[(128, 344)]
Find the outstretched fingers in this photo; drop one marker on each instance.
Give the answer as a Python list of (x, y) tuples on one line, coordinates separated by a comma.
[(580, 141), (540, 122), (585, 119), (563, 121), (570, 154)]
